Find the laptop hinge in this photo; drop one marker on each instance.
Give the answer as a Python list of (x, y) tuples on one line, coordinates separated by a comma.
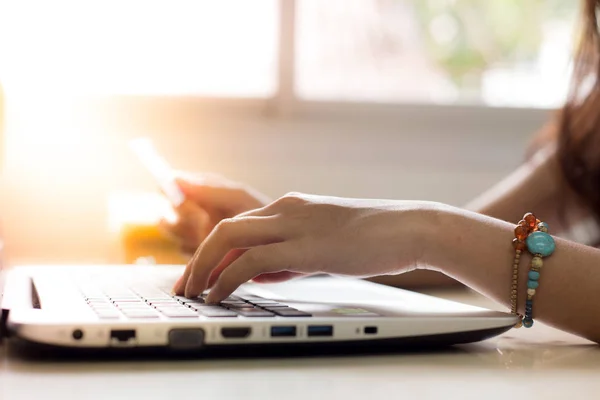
[(3, 324)]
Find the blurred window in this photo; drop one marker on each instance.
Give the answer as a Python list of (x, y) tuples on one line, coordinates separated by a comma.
[(492, 52), (167, 47)]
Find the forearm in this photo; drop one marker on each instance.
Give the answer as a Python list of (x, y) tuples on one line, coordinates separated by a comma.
[(477, 251), (532, 186)]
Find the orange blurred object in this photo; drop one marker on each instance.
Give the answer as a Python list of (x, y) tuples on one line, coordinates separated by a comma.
[(148, 244), (134, 218)]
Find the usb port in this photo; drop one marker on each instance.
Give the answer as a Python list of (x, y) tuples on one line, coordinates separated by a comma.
[(320, 330), (370, 330), (283, 331)]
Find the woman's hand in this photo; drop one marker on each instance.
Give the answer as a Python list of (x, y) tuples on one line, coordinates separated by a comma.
[(209, 199), (306, 234)]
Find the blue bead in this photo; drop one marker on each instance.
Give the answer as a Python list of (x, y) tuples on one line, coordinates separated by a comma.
[(543, 225), (529, 302), (533, 284), (534, 275), (527, 322), (540, 243)]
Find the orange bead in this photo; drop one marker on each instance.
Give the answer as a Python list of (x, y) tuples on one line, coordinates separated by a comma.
[(531, 220), (518, 244), (521, 232)]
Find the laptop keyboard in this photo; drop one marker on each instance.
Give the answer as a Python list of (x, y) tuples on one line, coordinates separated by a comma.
[(152, 303)]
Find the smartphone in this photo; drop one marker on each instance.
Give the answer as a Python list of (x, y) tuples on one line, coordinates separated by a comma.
[(160, 170)]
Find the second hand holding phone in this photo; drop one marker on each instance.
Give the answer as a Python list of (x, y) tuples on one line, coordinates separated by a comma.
[(160, 170)]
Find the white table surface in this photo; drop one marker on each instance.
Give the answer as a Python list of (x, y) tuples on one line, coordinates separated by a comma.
[(532, 363)]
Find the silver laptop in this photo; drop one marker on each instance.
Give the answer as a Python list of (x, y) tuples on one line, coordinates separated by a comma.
[(130, 307)]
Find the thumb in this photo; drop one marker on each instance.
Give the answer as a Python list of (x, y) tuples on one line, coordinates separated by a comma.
[(208, 193)]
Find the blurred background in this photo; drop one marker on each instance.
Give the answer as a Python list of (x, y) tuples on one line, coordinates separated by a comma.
[(414, 99)]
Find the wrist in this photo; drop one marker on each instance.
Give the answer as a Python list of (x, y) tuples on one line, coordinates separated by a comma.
[(467, 243), (432, 224), (450, 239)]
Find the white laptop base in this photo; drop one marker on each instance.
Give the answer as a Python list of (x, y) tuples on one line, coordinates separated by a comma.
[(127, 307)]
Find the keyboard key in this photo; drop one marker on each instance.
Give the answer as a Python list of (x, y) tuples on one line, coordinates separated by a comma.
[(108, 314), (175, 304), (207, 307), (198, 306), (124, 299), (129, 303), (251, 297), (111, 317), (162, 301), (132, 301), (183, 299), (178, 313), (239, 306), (231, 298), (124, 295), (256, 312), (213, 313), (290, 312), (161, 307), (98, 303), (148, 292), (140, 313), (92, 293), (116, 289), (134, 307), (233, 302), (97, 309), (157, 297), (273, 306), (105, 308), (197, 300), (275, 309), (171, 302)]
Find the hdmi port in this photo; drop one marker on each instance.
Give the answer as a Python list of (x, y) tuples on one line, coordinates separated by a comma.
[(235, 333)]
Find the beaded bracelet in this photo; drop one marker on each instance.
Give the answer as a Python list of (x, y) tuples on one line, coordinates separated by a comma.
[(522, 231), (539, 244), (533, 234)]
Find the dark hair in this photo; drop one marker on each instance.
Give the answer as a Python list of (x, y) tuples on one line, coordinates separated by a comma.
[(579, 119)]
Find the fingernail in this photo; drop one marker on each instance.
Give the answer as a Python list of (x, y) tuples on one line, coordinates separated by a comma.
[(213, 297), (190, 291)]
